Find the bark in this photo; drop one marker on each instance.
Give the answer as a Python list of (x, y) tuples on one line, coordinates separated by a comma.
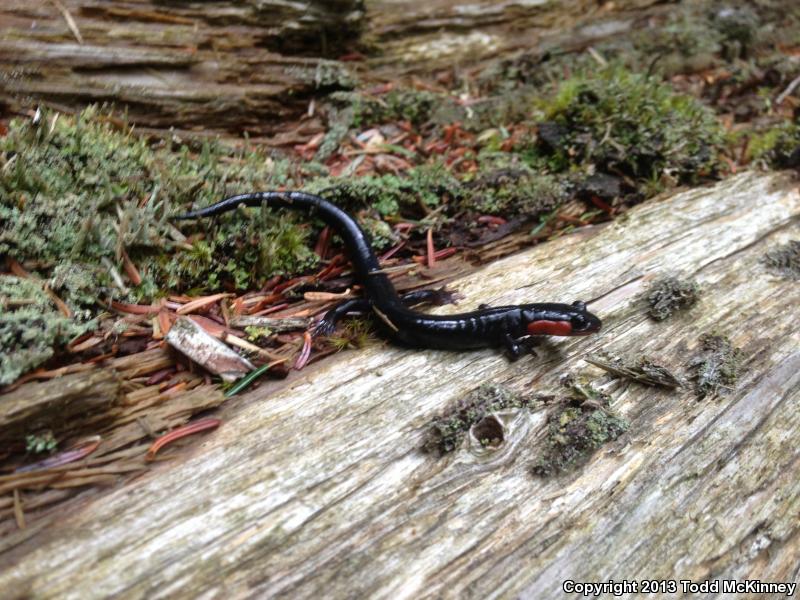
[(437, 34), (236, 66), (54, 404), (232, 67), (316, 487)]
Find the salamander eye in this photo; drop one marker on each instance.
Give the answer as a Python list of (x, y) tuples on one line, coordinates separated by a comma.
[(581, 306)]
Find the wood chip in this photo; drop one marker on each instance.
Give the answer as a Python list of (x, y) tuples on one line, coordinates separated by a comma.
[(189, 338)]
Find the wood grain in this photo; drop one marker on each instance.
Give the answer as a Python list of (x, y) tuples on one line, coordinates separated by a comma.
[(213, 66), (316, 487)]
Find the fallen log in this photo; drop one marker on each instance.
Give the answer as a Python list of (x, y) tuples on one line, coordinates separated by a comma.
[(316, 486), (221, 66), (436, 34), (57, 404)]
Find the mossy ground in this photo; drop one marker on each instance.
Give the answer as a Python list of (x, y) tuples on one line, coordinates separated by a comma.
[(31, 327), (77, 194), (83, 199)]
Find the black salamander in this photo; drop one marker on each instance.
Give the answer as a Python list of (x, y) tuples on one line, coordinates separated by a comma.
[(499, 326)]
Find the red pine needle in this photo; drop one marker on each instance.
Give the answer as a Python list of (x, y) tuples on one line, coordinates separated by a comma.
[(181, 432)]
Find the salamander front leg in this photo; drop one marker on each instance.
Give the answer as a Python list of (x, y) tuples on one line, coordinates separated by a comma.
[(513, 347), (529, 343), (328, 322)]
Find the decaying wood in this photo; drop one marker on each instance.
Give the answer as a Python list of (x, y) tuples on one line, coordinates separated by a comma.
[(214, 65), (116, 406), (221, 67), (58, 403), (423, 35), (316, 487)]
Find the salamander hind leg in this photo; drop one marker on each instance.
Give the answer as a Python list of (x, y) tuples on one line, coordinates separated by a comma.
[(438, 297), (327, 323)]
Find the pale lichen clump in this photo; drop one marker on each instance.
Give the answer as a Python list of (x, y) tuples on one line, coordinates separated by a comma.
[(582, 424), (32, 329), (668, 295), (785, 260), (716, 367)]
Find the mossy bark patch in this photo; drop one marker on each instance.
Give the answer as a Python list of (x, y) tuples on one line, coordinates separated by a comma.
[(785, 260), (573, 434), (668, 295), (450, 429), (716, 367)]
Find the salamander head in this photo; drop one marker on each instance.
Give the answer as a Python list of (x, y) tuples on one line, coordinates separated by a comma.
[(560, 319)]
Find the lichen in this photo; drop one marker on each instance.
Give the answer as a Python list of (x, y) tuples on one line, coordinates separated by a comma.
[(668, 295), (576, 429), (449, 430), (785, 260), (325, 74), (716, 367), (78, 193), (32, 329)]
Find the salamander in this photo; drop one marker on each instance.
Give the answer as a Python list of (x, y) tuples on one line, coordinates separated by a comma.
[(500, 326)]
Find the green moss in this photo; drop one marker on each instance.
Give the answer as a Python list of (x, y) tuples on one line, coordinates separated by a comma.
[(355, 333), (448, 430), (77, 191), (380, 233), (426, 184), (415, 106), (78, 283), (738, 26), (40, 443), (777, 147), (514, 190), (31, 328), (619, 122), (668, 295), (578, 428), (255, 334)]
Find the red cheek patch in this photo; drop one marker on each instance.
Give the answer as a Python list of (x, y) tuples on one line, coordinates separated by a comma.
[(550, 328)]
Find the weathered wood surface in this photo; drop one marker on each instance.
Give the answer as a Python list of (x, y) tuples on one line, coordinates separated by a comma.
[(231, 67), (316, 487), (214, 65), (424, 35), (57, 403)]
